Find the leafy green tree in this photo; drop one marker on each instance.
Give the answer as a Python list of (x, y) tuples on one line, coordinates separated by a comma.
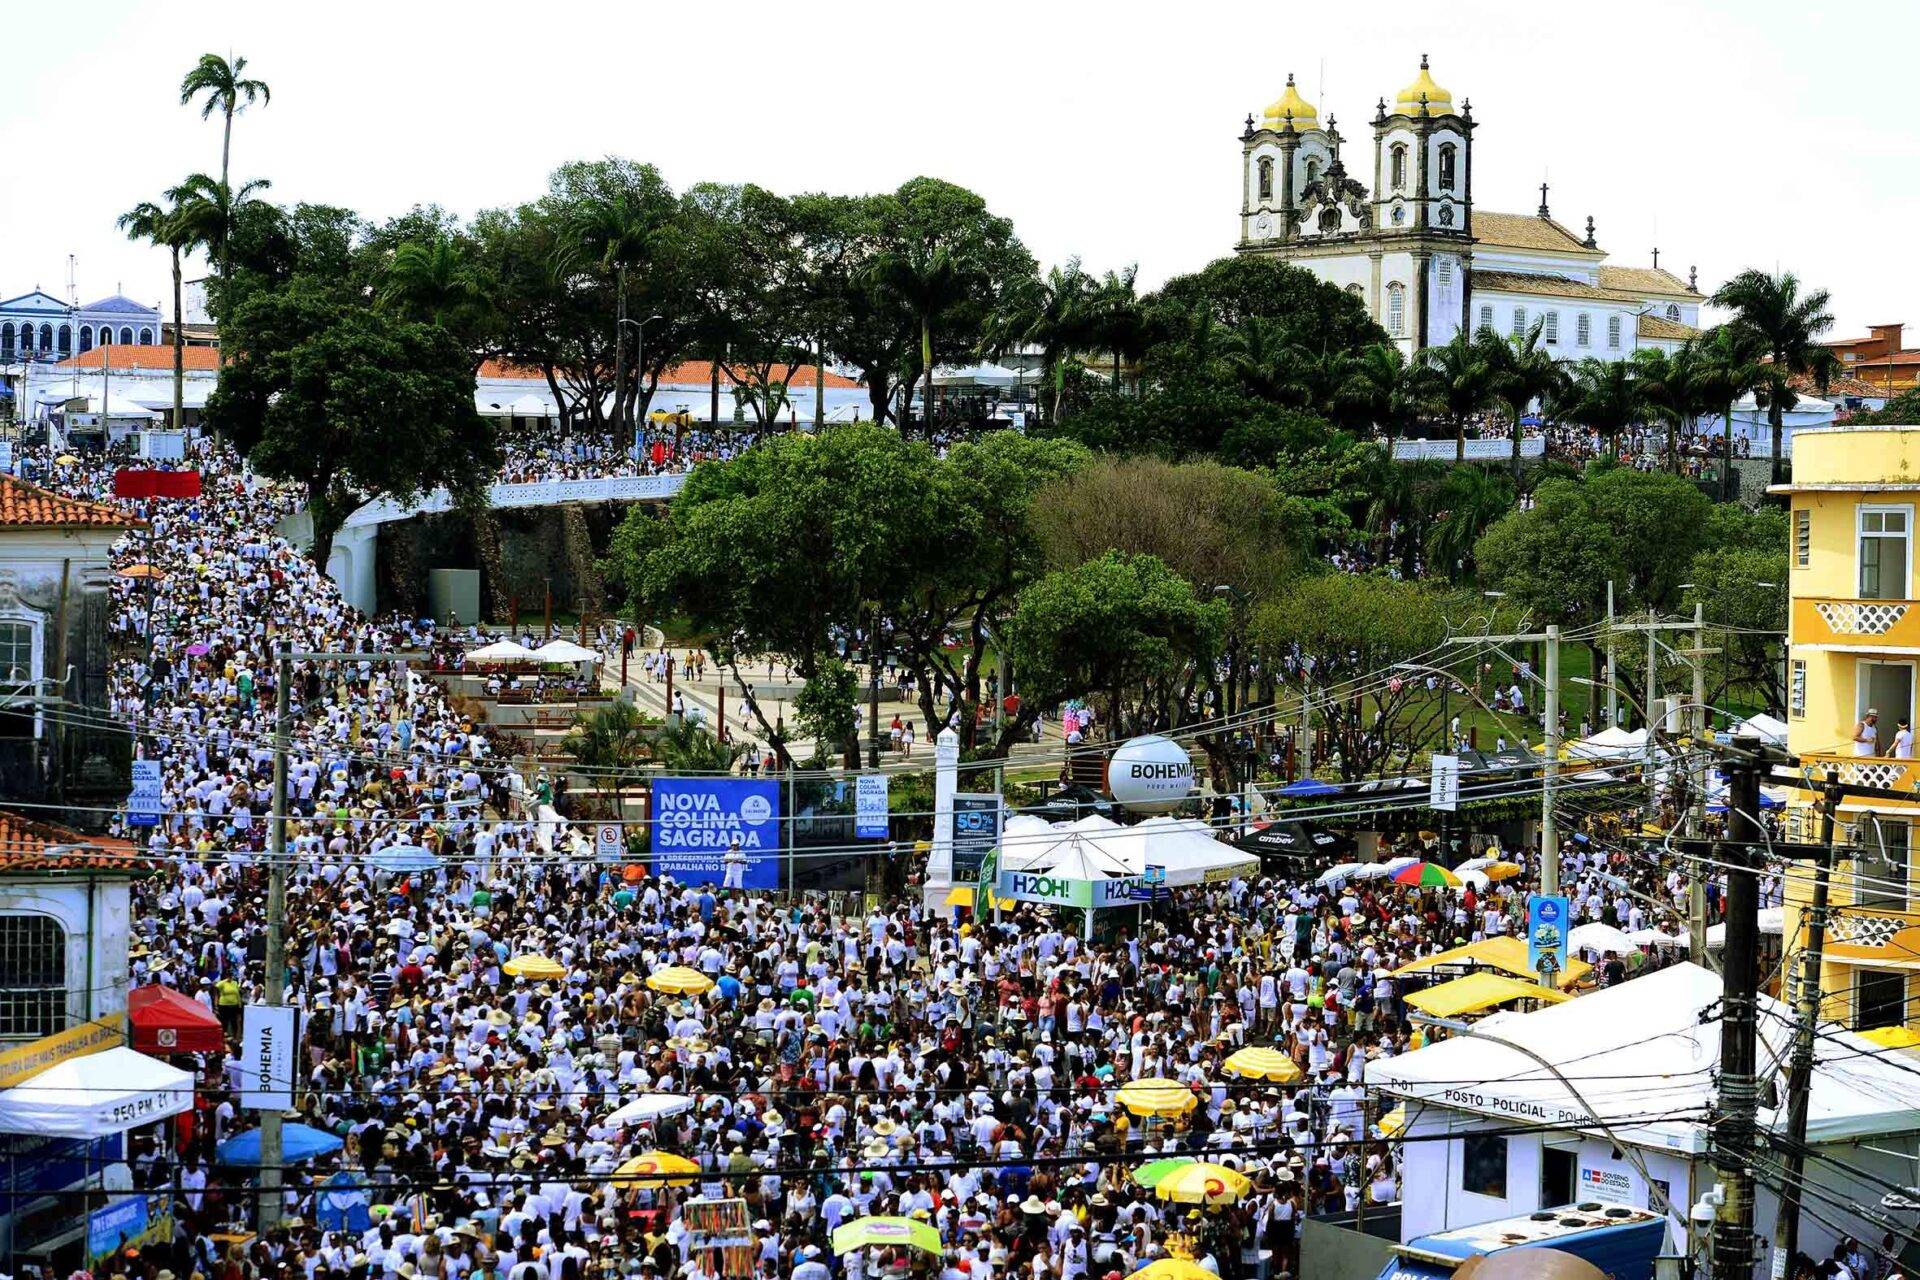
[(226, 88), (825, 708), (352, 402), (1315, 315), (1403, 501), (1785, 325), (1349, 625), (1117, 320), (434, 281), (1729, 367), (1459, 382), (1123, 628), (1468, 502), (688, 747), (1379, 392)]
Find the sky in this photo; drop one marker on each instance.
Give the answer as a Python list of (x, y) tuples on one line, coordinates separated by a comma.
[(1729, 134)]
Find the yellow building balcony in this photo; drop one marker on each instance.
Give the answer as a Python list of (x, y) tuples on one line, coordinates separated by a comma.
[(1874, 937), (1870, 624), (1883, 772)]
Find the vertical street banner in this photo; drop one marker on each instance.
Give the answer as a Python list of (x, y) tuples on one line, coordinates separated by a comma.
[(1547, 922), (144, 804), (1444, 790), (269, 1044), (870, 807), (976, 832), (696, 820)]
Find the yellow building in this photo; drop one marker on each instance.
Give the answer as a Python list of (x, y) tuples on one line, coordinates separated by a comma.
[(1854, 646)]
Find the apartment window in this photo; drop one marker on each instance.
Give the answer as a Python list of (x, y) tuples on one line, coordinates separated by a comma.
[(19, 651), (1884, 535), (1613, 332), (1483, 1167), (1396, 309), (1802, 537), (1797, 690), (1486, 317), (1583, 329), (1397, 162), (33, 975), (1550, 331), (1880, 873), (1266, 177), (1519, 321)]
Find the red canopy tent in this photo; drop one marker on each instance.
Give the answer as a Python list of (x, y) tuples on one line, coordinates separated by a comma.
[(164, 1021)]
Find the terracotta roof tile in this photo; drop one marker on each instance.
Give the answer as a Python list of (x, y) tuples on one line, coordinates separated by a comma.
[(194, 359), (24, 844), (1660, 327), (1551, 286), (1525, 231), (28, 506), (1645, 280)]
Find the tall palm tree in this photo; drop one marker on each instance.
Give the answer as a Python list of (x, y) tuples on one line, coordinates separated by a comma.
[(925, 282), (1258, 353), (1379, 391), (1523, 372), (1470, 499), (1118, 326), (1786, 326), (1671, 386), (223, 83), (1405, 497), (434, 280), (208, 210), (166, 229), (618, 232), (1459, 381), (1604, 395), (1051, 314), (1729, 368)]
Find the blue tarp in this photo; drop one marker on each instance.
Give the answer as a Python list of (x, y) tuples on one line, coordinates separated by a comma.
[(297, 1142), (1309, 787)]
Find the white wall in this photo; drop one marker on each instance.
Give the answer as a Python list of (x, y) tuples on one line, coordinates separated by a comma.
[(96, 920), (1569, 311)]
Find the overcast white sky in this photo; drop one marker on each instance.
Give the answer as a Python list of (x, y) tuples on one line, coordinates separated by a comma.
[(1739, 132)]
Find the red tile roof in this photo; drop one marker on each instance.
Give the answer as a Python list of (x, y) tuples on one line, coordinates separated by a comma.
[(198, 359), (28, 506), (24, 845)]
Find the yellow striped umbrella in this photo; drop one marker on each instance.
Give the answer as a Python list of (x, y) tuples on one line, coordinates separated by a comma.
[(1156, 1097), (1394, 1123), (678, 980), (1263, 1064), (1203, 1183), (533, 966), (656, 1169)]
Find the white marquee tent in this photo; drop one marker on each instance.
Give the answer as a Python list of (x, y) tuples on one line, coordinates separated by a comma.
[(96, 1096)]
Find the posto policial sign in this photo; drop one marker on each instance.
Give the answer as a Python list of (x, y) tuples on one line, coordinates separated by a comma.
[(1150, 774)]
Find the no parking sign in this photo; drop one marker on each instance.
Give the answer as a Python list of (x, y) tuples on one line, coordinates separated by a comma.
[(608, 845)]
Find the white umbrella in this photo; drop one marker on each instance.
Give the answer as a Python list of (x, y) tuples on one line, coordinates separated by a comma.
[(1342, 872), (1655, 938), (1373, 871), (564, 651), (651, 1106), (1473, 864), (1394, 864), (1476, 878), (501, 651), (1599, 937)]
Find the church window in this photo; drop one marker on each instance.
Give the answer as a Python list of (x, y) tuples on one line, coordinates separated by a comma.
[(1673, 311), (1397, 309), (1447, 153), (1266, 177), (126, 336), (1613, 332), (1519, 321), (1486, 317), (1550, 328), (1397, 159), (146, 337), (86, 337), (1329, 219), (1583, 329), (1313, 169)]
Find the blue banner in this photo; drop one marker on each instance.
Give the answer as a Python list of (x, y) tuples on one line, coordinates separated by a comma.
[(115, 1227), (696, 821), (870, 811), (1548, 919)]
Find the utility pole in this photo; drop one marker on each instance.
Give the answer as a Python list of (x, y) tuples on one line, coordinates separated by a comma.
[(271, 1150), (1734, 1125), (1613, 675), (1306, 733), (1786, 1228), (1549, 640), (1699, 723)]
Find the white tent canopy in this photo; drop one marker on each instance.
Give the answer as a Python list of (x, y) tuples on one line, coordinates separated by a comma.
[(976, 375), (1644, 1062), (501, 651), (1028, 843), (96, 1096), (1610, 744), (1765, 728), (1599, 937), (1189, 851), (564, 651)]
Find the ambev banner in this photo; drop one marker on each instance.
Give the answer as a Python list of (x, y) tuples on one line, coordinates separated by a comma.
[(696, 820)]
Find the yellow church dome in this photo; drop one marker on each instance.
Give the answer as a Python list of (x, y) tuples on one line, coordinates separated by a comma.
[(1304, 116), (1439, 101)]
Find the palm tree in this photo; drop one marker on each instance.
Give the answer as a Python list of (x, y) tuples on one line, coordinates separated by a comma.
[(686, 747), (208, 211), (613, 741), (1786, 327), (1257, 352), (1405, 496), (1470, 499), (1604, 395), (1117, 324), (166, 229), (1523, 372), (1671, 386), (1051, 314), (618, 232), (1459, 380), (227, 90), (434, 281), (1378, 391), (925, 282), (1729, 368)]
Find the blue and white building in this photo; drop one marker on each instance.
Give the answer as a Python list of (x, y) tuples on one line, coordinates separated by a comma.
[(40, 327)]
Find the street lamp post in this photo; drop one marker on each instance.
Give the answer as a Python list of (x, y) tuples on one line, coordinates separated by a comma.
[(639, 356)]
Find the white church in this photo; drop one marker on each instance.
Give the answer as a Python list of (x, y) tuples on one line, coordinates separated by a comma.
[(1427, 262)]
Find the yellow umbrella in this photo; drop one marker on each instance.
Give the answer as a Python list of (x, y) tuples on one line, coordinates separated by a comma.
[(1156, 1097), (1500, 870), (1263, 1064), (656, 1169), (65, 460), (1203, 1183), (142, 571), (533, 966), (1394, 1123), (1173, 1269), (884, 1232), (678, 980)]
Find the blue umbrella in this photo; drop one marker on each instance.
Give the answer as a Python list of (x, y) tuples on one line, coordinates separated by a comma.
[(402, 858), (297, 1142), (1530, 420), (1309, 787)]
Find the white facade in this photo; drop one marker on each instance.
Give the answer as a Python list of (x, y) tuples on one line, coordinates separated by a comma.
[(1411, 243), (39, 326), (91, 912)]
